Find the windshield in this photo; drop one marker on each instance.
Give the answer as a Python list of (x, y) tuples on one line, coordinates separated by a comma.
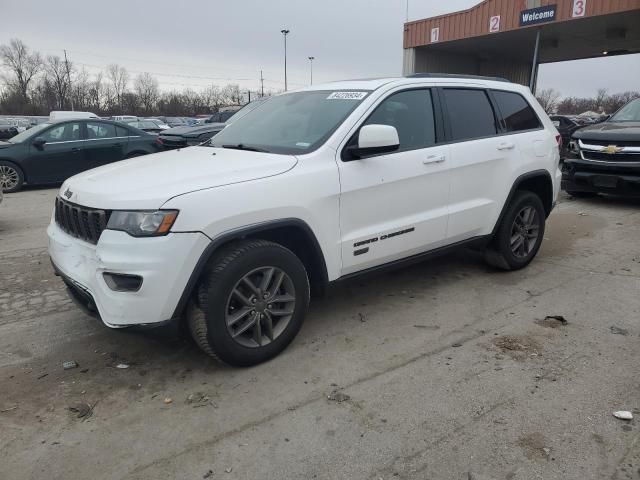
[(246, 109), (292, 123), (32, 132), (629, 113)]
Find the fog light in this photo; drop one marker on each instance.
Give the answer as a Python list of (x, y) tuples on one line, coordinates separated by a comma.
[(121, 282)]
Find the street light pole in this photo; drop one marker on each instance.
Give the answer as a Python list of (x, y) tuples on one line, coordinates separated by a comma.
[(284, 33), (311, 59)]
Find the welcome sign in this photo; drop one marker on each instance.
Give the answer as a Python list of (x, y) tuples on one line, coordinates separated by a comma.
[(538, 15)]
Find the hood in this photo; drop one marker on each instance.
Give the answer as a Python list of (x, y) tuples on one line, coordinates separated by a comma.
[(148, 182), (610, 132), (194, 131), (6, 144)]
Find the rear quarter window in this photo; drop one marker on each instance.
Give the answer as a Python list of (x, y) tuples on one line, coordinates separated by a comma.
[(516, 112)]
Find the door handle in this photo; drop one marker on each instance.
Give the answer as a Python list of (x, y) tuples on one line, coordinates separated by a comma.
[(506, 146), (75, 149), (116, 144), (433, 159)]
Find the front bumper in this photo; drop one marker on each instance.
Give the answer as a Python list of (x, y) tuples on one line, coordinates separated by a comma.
[(164, 263), (584, 176)]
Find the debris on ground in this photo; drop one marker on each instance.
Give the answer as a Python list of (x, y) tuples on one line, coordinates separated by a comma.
[(456, 345), (228, 470), (199, 399), (534, 446), (337, 396), (82, 410), (168, 400), (553, 321), (477, 476), (122, 366), (582, 214), (9, 409), (517, 346), (208, 474), (623, 415), (619, 331), (361, 317), (40, 377), (69, 365)]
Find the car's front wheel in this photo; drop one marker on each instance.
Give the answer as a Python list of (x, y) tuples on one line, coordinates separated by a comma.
[(11, 177), (251, 303), (519, 234)]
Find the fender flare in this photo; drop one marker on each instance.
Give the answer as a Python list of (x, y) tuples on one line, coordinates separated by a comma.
[(239, 234), (514, 188)]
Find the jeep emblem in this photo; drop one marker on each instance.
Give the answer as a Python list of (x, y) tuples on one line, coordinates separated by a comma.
[(68, 193)]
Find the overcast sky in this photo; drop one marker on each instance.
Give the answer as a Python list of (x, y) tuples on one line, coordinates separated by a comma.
[(196, 43)]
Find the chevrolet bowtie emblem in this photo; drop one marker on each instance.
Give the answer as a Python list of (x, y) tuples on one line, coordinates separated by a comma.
[(68, 193), (613, 149)]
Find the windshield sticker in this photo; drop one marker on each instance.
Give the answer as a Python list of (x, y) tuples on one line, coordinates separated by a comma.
[(303, 144), (347, 96)]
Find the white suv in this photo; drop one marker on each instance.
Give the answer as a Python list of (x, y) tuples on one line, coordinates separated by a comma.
[(311, 187)]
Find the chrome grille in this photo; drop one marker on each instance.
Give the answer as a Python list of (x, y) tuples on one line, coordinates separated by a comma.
[(81, 222)]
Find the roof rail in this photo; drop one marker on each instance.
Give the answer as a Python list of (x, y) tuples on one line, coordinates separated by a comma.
[(456, 75)]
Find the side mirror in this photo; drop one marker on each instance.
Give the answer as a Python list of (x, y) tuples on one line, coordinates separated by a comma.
[(375, 139), (39, 142)]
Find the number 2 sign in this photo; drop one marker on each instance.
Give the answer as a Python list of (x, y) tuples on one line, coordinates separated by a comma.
[(579, 8), (494, 24)]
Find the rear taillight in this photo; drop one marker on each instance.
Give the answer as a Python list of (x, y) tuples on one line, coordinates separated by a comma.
[(559, 140), (159, 141)]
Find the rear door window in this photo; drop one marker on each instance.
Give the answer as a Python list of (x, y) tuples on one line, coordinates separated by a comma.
[(470, 114), (121, 132), (100, 130), (516, 112)]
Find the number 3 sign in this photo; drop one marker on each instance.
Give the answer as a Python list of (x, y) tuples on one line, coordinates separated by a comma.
[(579, 8)]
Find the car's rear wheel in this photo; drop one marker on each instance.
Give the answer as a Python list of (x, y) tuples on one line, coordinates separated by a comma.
[(520, 233), (11, 177), (251, 303)]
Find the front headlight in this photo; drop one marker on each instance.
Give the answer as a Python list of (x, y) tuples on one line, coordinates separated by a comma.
[(141, 223)]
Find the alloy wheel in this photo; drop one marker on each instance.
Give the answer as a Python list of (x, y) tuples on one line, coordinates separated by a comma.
[(8, 177), (260, 307), (524, 232)]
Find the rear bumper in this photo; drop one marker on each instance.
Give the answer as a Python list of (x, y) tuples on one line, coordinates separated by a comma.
[(581, 176), (164, 263)]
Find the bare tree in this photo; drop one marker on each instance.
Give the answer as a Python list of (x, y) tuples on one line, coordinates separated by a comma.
[(601, 97), (548, 99), (119, 78), (56, 72), (148, 90), (22, 64)]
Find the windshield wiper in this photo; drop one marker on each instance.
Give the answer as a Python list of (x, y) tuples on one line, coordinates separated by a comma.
[(240, 146)]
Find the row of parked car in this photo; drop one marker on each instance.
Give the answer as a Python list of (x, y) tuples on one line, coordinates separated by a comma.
[(71, 142)]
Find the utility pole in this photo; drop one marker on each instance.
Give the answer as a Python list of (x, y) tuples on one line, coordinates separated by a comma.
[(249, 95), (284, 33), (261, 84), (407, 16), (311, 59), (66, 64)]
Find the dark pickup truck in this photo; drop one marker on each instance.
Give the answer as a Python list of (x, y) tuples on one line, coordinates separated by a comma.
[(606, 156)]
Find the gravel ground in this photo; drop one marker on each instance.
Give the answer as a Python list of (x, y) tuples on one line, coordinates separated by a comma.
[(444, 370)]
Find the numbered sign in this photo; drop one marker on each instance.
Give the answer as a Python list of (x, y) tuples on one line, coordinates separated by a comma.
[(435, 34), (579, 8), (494, 24)]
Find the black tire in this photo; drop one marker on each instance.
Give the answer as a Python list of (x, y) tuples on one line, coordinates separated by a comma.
[(581, 194), (6, 169), (135, 154), (500, 253), (207, 313)]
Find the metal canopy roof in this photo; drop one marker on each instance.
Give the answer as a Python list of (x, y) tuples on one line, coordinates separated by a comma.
[(611, 26)]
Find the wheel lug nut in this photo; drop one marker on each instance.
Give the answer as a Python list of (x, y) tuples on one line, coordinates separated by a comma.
[(269, 306), (266, 295), (253, 300)]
